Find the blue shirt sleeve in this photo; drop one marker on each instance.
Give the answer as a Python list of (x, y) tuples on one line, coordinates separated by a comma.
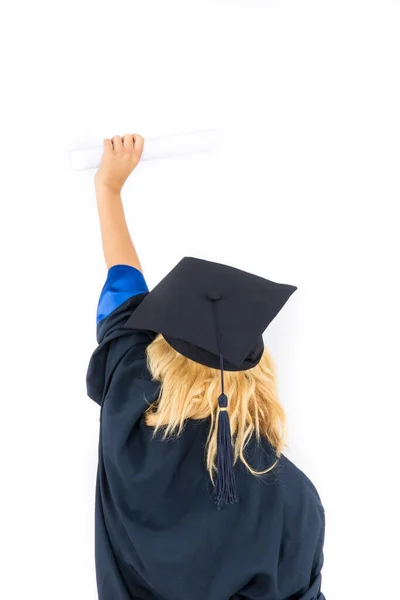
[(125, 288), (123, 282)]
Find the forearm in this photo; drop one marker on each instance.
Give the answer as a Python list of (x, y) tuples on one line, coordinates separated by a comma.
[(118, 247)]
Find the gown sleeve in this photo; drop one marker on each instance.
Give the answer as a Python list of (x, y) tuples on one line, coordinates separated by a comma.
[(316, 532), (123, 291), (314, 591)]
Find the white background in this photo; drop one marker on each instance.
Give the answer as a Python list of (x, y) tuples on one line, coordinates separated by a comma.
[(305, 190)]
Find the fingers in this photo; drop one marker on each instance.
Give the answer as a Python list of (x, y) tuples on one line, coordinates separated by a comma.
[(117, 143), (127, 140), (108, 147), (138, 142)]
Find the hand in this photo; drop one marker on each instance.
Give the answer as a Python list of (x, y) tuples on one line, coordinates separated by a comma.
[(120, 157)]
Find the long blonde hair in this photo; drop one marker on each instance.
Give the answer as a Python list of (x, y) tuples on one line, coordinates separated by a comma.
[(190, 390)]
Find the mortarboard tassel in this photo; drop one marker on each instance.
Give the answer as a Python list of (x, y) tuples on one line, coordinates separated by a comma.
[(225, 486)]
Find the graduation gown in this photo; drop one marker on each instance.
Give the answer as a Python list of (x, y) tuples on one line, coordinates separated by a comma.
[(158, 533)]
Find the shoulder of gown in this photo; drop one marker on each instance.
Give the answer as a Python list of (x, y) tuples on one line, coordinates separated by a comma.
[(123, 291)]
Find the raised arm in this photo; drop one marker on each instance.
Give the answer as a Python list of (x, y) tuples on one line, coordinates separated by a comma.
[(120, 158)]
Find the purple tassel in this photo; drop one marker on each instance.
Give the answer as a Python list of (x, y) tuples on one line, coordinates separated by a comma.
[(225, 487)]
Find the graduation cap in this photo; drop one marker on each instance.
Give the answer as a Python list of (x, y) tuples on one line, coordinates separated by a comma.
[(215, 315)]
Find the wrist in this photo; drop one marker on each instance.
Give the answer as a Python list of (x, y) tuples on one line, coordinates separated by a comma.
[(105, 188)]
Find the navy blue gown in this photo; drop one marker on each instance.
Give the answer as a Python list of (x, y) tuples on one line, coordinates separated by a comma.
[(158, 533)]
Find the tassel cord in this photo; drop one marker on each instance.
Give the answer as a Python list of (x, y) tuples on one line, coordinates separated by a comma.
[(225, 487), (221, 356)]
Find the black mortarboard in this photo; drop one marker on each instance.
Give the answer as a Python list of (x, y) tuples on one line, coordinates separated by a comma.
[(215, 315), (180, 308)]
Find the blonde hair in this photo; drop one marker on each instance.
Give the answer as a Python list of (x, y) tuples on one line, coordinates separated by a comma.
[(190, 390)]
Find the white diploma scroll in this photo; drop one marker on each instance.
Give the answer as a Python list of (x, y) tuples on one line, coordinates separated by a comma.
[(166, 146)]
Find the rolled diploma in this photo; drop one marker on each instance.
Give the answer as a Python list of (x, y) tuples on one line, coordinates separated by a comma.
[(158, 147)]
